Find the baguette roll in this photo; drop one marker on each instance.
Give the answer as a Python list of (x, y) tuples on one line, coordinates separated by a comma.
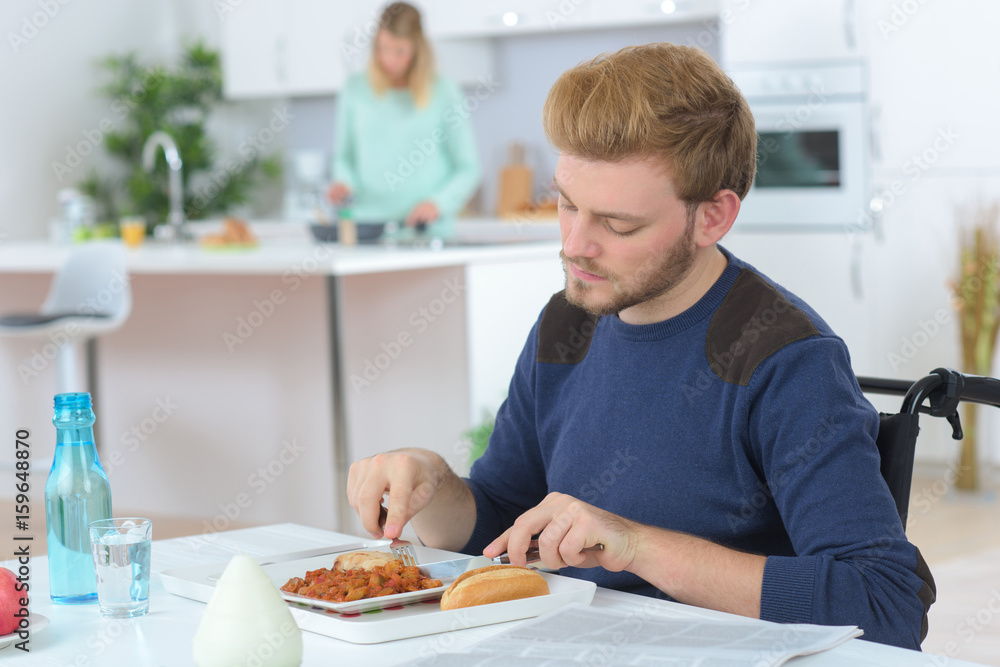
[(494, 583)]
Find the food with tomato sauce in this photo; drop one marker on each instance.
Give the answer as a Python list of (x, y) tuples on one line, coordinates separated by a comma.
[(359, 584)]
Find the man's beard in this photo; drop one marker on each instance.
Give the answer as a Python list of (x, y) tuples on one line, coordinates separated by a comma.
[(657, 278)]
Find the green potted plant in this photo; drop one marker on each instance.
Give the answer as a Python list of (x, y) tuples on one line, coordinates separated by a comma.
[(177, 100), (479, 437)]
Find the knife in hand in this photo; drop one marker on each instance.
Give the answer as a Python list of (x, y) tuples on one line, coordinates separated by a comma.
[(455, 568)]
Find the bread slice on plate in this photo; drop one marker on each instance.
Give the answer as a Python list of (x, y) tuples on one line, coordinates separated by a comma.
[(363, 560)]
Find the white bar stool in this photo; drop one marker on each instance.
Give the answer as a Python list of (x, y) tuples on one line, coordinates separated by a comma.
[(90, 295)]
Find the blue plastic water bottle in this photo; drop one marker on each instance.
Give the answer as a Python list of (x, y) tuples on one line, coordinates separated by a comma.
[(76, 493)]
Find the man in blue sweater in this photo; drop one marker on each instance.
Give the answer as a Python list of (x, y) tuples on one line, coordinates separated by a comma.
[(672, 403)]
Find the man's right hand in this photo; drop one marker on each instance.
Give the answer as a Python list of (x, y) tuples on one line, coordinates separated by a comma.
[(416, 480)]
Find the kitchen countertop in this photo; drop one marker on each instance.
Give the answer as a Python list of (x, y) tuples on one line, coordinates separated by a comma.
[(287, 247)]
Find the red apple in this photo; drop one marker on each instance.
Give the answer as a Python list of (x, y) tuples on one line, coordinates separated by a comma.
[(10, 602)]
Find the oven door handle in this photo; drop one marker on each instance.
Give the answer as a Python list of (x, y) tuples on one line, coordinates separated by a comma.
[(850, 25), (875, 131)]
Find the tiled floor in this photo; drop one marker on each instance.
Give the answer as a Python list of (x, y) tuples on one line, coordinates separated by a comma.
[(958, 533)]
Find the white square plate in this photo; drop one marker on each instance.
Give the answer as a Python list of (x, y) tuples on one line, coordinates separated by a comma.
[(427, 618), (381, 624), (280, 573)]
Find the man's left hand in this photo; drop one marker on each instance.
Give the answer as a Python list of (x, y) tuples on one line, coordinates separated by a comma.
[(565, 527)]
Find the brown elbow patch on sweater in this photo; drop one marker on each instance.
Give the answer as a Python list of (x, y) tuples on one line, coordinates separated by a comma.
[(927, 593)]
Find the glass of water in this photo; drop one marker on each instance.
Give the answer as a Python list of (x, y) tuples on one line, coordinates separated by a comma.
[(121, 560)]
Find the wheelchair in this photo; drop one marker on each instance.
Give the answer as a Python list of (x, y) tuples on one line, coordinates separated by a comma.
[(942, 390)]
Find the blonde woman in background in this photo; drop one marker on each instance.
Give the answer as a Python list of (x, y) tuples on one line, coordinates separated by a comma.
[(404, 150)]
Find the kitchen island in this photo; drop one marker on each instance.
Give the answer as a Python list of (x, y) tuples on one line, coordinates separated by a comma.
[(218, 398)]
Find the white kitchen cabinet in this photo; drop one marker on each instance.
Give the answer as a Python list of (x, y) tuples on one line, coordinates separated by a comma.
[(450, 17), (316, 61), (932, 84), (611, 13), (500, 18), (503, 301), (252, 50), (272, 49), (461, 19), (309, 47), (758, 31)]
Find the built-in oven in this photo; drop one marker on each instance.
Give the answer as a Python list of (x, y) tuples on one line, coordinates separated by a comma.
[(813, 147)]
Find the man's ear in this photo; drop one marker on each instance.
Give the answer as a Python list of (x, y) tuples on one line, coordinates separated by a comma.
[(715, 218)]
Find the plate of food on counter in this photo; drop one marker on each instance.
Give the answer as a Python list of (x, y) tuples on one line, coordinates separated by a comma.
[(235, 235)]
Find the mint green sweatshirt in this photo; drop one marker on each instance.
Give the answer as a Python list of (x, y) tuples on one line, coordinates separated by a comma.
[(393, 155)]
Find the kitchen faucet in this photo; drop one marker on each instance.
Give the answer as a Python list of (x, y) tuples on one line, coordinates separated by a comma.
[(176, 187)]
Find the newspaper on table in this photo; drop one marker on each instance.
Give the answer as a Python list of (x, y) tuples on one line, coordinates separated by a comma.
[(578, 634)]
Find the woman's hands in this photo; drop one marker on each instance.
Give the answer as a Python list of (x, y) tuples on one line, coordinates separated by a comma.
[(338, 192), (425, 211)]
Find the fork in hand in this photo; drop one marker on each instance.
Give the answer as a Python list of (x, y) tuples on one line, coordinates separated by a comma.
[(401, 549)]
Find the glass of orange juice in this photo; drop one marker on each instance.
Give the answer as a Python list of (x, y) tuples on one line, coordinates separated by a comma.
[(133, 230)]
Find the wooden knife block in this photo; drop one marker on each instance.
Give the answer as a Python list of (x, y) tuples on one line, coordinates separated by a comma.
[(514, 191)]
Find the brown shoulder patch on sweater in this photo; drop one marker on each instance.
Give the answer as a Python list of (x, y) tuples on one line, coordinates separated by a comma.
[(564, 333), (753, 322)]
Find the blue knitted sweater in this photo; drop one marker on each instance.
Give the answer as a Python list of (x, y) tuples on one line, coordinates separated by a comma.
[(740, 421)]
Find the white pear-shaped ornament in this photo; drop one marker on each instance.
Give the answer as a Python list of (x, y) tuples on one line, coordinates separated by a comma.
[(247, 622)]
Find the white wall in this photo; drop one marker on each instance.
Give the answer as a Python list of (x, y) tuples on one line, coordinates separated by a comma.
[(50, 74), (931, 69), (49, 88)]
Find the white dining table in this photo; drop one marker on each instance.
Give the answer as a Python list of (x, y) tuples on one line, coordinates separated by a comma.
[(78, 636)]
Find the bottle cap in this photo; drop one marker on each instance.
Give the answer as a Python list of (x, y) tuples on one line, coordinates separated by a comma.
[(73, 401)]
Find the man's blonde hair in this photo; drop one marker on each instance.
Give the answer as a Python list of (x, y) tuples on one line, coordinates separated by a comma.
[(402, 20), (662, 101)]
